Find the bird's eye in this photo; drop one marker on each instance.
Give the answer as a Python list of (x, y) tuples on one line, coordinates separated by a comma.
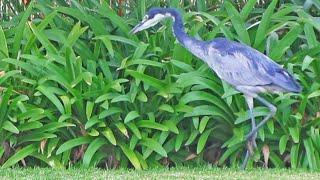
[(145, 17)]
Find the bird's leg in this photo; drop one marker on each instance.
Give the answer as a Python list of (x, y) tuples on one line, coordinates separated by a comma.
[(245, 162), (272, 112), (251, 141)]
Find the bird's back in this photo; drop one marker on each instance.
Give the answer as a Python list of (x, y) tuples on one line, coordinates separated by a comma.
[(241, 65)]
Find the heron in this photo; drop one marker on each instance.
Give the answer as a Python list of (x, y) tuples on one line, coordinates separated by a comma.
[(247, 70)]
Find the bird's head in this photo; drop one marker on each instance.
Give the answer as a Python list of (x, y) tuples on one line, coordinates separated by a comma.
[(153, 17)]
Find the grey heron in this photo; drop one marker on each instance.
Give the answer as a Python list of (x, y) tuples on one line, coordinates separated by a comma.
[(246, 69)]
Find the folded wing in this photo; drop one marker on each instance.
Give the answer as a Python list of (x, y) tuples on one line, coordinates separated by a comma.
[(241, 65)]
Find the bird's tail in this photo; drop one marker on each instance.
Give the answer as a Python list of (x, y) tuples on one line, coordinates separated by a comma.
[(285, 80)]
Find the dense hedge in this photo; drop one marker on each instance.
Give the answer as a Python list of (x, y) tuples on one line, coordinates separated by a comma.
[(78, 90)]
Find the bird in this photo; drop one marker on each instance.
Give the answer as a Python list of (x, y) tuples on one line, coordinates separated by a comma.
[(244, 68)]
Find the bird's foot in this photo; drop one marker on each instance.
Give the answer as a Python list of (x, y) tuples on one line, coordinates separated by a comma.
[(251, 148), (251, 144)]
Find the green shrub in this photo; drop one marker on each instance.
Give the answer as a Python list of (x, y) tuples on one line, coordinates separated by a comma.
[(78, 90)]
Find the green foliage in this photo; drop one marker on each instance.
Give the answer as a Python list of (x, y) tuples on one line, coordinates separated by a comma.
[(78, 90)]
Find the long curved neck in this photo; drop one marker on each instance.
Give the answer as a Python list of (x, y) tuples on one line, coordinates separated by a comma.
[(193, 45), (178, 29)]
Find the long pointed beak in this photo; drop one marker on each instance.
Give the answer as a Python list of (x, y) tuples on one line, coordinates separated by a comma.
[(136, 29)]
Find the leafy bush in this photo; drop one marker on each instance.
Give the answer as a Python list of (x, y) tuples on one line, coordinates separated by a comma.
[(78, 90)]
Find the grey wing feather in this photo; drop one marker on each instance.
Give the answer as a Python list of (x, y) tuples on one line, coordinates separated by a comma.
[(238, 70), (239, 64)]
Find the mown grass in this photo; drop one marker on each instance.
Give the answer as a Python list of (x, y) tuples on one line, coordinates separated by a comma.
[(173, 173)]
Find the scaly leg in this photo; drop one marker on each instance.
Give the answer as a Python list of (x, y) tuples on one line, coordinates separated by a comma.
[(273, 110), (252, 141)]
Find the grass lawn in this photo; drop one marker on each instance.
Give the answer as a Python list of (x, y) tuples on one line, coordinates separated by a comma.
[(174, 173)]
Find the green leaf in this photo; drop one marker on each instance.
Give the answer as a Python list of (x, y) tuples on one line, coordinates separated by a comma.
[(35, 136), (192, 78), (43, 39), (184, 66), (310, 35), (294, 154), (121, 98), (107, 132), (89, 109), (183, 108), (134, 129), (264, 24), (140, 50), (314, 94), (109, 13), (131, 116), (33, 113), (202, 140), (102, 98), (3, 45), (52, 144), (75, 33), (295, 134), (106, 70), (145, 62), (205, 110), (53, 126), (166, 107), (109, 112), (142, 97), (238, 23), (142, 161), (281, 47), (306, 62), (4, 106), (95, 22), (276, 160), (247, 9), (1, 151), (93, 132), (107, 43), (122, 128), (43, 24), (203, 123), (154, 145), (7, 125), (229, 152), (310, 153), (92, 121), (152, 125), (52, 97), (20, 30), (50, 161), (8, 74), (283, 143), (192, 137), (87, 77), (147, 79), (270, 125), (131, 156), (94, 146), (195, 121), (226, 32), (119, 39), (21, 154), (178, 142), (172, 126), (73, 143)]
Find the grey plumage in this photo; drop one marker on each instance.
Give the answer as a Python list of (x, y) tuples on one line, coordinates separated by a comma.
[(243, 67)]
